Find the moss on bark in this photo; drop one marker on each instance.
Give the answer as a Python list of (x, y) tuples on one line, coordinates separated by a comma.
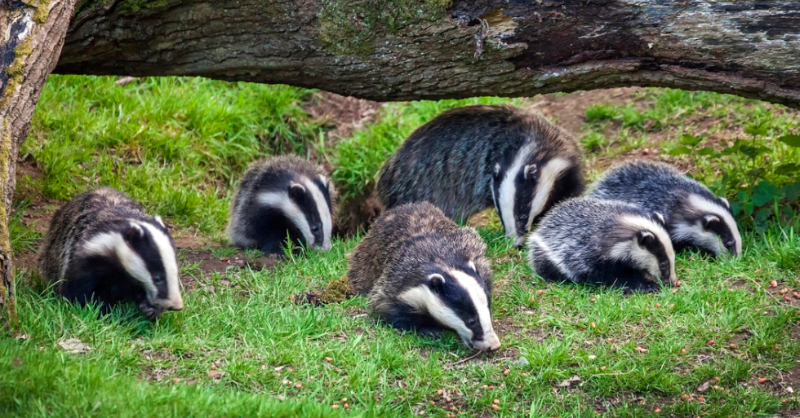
[(350, 28)]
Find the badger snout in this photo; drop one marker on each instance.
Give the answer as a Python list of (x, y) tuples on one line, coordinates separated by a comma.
[(325, 246), (490, 342), (731, 247), (169, 304), (519, 241)]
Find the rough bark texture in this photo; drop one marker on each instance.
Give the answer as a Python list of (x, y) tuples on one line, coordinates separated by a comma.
[(433, 49), (31, 36)]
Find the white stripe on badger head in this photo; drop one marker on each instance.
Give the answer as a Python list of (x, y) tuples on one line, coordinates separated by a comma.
[(704, 205), (645, 258), (535, 239), (282, 202), (478, 297), (547, 179), (324, 211), (112, 243), (508, 189), (174, 300), (422, 299)]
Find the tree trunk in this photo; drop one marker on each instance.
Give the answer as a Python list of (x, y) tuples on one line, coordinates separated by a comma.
[(31, 36), (434, 49)]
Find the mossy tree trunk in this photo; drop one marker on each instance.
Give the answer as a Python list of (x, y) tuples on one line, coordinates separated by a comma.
[(31, 36), (433, 49)]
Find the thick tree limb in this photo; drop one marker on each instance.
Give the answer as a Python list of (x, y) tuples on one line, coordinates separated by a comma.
[(426, 49), (30, 40)]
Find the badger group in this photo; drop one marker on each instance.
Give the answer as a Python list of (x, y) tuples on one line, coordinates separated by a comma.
[(418, 269)]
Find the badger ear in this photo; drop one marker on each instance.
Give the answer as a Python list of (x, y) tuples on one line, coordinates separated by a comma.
[(645, 238), (660, 218), (497, 169), (133, 233), (709, 219), (436, 281), (160, 221), (296, 191), (725, 202), (530, 172)]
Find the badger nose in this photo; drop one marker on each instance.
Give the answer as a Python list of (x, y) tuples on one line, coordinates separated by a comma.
[(519, 241), (489, 343)]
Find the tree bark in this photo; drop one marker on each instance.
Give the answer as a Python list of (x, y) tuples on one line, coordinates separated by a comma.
[(434, 49), (31, 37)]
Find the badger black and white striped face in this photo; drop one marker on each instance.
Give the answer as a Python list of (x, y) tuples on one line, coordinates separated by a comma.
[(458, 300), (307, 204), (527, 188), (645, 244), (146, 253), (708, 225)]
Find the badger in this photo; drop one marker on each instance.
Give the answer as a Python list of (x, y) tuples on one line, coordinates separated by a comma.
[(607, 242), (421, 272), (102, 247), (470, 158), (695, 217), (279, 198)]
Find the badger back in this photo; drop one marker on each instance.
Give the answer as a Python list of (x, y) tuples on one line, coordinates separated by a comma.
[(695, 217), (386, 238), (293, 187)]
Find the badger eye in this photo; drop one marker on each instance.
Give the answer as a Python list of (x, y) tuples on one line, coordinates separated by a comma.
[(158, 278), (472, 322), (315, 228)]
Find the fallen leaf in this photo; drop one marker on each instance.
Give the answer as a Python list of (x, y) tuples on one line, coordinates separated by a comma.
[(704, 387), (215, 374), (74, 346), (568, 382)]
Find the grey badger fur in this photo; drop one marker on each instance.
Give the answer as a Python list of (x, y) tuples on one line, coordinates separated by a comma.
[(586, 240), (279, 197), (470, 158), (102, 247), (422, 272), (695, 217)]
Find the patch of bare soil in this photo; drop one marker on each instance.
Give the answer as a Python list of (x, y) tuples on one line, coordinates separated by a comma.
[(208, 263)]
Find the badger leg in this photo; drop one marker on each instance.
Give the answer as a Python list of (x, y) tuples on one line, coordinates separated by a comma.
[(271, 247), (637, 281)]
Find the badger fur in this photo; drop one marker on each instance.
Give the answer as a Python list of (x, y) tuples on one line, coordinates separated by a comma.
[(422, 272), (695, 217), (102, 247), (470, 158), (586, 240), (282, 197)]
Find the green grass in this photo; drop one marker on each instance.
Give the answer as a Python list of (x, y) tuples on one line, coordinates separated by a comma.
[(250, 329), (179, 144)]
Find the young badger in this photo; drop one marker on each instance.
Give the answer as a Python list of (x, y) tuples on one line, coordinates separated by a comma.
[(470, 158), (695, 217), (422, 272), (585, 240), (280, 197), (101, 246)]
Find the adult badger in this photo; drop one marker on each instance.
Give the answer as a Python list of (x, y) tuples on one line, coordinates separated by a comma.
[(279, 197), (422, 272), (469, 158), (586, 240), (102, 247), (695, 217)]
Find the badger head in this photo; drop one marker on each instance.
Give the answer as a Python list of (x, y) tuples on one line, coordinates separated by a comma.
[(147, 255), (708, 225), (308, 207), (644, 243), (525, 189), (457, 299)]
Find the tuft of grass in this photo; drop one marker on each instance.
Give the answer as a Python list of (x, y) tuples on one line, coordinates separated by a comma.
[(23, 238)]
